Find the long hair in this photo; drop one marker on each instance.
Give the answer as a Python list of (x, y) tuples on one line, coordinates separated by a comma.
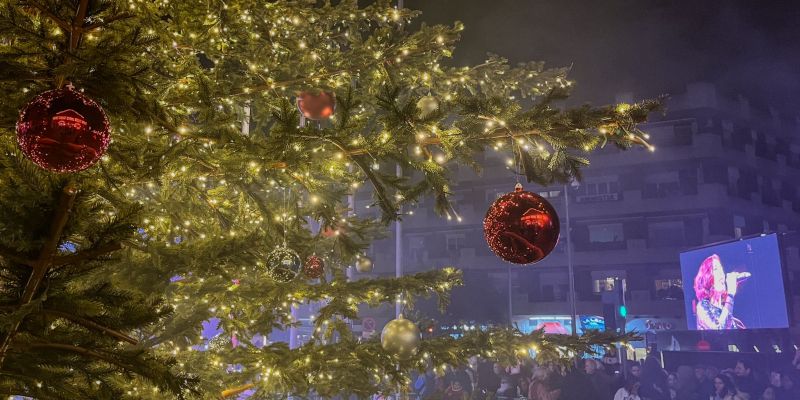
[(727, 383), (704, 281)]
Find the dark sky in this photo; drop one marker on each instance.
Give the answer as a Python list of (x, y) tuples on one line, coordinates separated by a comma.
[(648, 47)]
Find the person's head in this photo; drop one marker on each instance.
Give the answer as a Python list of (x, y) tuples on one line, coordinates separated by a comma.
[(505, 381), (652, 367), (632, 386), (539, 373), (709, 284), (769, 393), (700, 373), (787, 381), (672, 381), (723, 385), (456, 385), (775, 379), (590, 366), (498, 369), (636, 371), (742, 369)]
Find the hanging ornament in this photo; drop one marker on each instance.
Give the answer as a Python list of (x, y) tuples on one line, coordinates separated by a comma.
[(521, 227), (283, 264), (427, 105), (316, 106), (314, 267), (63, 131), (400, 337), (364, 264)]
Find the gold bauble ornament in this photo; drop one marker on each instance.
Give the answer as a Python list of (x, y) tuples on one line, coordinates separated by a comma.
[(283, 264), (401, 337), (364, 264), (427, 105)]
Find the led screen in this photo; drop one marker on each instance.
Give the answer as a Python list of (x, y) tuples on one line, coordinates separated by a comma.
[(735, 285)]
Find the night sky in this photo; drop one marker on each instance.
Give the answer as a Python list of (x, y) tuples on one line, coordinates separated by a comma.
[(647, 47)]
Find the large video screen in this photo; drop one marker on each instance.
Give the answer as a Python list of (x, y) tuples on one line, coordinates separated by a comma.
[(735, 285)]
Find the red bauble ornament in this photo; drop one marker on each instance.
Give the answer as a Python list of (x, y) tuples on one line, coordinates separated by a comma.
[(314, 267), (521, 227), (63, 131), (316, 106)]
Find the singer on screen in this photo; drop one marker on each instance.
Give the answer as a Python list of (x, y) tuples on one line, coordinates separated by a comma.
[(715, 291)]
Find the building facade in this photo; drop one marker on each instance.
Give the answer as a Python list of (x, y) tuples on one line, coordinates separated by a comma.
[(721, 170)]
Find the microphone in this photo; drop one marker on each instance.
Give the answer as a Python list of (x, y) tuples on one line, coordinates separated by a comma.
[(740, 276)]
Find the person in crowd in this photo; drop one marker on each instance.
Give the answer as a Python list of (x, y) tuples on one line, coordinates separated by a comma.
[(459, 374), (776, 383), (425, 385), (654, 381), (796, 360), (629, 391), (769, 394), (705, 385), (687, 384), (724, 389), (507, 388), (744, 379), (599, 379), (488, 380), (790, 386), (611, 361), (577, 386), (455, 391), (541, 386), (672, 385), (636, 371)]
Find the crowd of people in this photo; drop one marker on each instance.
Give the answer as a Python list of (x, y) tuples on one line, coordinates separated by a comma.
[(603, 379)]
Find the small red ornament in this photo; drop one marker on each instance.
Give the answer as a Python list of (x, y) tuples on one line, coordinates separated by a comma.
[(314, 267), (63, 131), (316, 106), (521, 227)]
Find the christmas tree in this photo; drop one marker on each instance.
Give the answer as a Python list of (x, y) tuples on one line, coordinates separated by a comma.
[(215, 189)]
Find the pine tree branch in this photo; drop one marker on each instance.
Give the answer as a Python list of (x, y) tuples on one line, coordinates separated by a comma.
[(83, 322), (87, 254), (49, 14), (79, 350), (43, 264), (92, 325), (16, 257), (75, 31), (106, 22)]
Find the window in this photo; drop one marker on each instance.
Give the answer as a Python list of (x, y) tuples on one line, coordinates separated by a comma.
[(416, 247), (669, 289), (606, 233), (550, 194), (607, 284), (666, 234), (455, 242)]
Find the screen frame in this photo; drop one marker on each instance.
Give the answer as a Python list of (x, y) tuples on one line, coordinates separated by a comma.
[(784, 272)]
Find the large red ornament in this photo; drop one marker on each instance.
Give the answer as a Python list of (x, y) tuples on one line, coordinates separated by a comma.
[(521, 227), (314, 267), (63, 131), (316, 106)]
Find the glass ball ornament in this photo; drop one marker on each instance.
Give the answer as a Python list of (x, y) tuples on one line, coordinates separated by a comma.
[(401, 337), (364, 264), (521, 227), (316, 106), (314, 267), (62, 130), (283, 264)]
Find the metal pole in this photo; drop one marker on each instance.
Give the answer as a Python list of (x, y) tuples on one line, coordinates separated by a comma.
[(398, 243), (510, 310), (570, 268)]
